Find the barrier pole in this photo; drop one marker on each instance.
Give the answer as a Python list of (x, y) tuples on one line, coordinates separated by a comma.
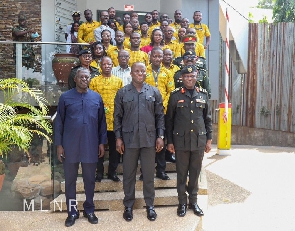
[(224, 123)]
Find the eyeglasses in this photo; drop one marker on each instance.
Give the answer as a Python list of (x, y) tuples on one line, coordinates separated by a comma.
[(189, 57), (124, 56), (83, 77), (86, 56)]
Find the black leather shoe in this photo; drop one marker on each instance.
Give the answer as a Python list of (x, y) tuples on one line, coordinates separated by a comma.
[(162, 176), (196, 209), (114, 177), (71, 220), (98, 178), (141, 177), (91, 217), (128, 214), (181, 210), (151, 213), (170, 157)]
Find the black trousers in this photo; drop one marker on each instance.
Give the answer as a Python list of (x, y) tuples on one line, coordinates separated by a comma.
[(71, 173), (130, 163), (188, 162), (114, 156), (161, 160)]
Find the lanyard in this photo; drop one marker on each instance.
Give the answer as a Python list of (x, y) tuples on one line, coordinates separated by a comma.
[(155, 74)]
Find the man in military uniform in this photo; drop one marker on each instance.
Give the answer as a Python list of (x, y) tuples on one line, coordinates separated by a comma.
[(189, 134), (85, 58), (190, 58), (189, 43), (22, 33)]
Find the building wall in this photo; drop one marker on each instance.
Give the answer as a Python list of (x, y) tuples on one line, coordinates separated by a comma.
[(95, 5), (210, 13), (9, 11), (169, 7)]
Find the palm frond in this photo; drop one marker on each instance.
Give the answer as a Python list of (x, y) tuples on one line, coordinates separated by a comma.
[(18, 129)]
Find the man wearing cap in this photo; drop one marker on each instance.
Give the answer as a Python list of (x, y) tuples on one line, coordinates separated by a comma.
[(190, 42), (201, 28), (76, 18), (85, 57), (190, 58), (86, 29), (22, 33), (189, 133)]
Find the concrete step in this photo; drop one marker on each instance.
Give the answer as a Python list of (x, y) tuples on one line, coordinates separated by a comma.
[(107, 220), (170, 167), (107, 185), (114, 200)]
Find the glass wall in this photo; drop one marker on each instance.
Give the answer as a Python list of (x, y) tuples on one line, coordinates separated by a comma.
[(33, 179)]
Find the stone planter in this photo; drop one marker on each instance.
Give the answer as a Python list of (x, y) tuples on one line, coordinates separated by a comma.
[(62, 65)]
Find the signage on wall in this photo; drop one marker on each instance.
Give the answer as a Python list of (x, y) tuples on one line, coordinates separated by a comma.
[(129, 7)]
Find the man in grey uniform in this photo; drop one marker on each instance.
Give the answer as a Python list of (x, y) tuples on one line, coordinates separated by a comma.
[(189, 134), (139, 129)]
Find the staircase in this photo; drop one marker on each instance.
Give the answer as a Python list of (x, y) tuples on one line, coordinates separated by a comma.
[(109, 194)]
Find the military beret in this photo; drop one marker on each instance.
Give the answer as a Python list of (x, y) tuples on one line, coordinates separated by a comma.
[(188, 69), (22, 17), (76, 13), (189, 53), (85, 51), (189, 39)]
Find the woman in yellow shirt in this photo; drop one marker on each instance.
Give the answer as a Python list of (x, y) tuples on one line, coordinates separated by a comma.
[(127, 27), (98, 51)]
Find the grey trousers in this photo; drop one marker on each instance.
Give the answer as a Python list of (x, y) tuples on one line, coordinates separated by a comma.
[(188, 162), (130, 163)]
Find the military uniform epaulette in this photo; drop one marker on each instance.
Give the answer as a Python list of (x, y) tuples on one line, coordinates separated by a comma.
[(203, 90), (176, 90)]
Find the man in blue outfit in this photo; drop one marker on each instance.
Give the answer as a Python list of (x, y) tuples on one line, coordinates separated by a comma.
[(80, 135)]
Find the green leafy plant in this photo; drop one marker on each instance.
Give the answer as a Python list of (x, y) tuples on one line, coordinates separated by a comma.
[(17, 129)]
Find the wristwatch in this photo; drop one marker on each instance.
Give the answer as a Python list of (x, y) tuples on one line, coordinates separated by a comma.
[(162, 137)]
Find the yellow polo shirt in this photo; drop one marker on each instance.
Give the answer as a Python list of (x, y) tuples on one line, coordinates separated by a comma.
[(107, 87), (202, 31), (86, 32), (164, 82)]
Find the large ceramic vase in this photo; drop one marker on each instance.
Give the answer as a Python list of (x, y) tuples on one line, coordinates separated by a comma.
[(62, 64), (1, 181)]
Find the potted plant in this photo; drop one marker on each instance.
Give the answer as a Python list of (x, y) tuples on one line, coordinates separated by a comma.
[(2, 173), (17, 129)]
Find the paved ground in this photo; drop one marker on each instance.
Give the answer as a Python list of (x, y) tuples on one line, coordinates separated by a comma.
[(252, 189)]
